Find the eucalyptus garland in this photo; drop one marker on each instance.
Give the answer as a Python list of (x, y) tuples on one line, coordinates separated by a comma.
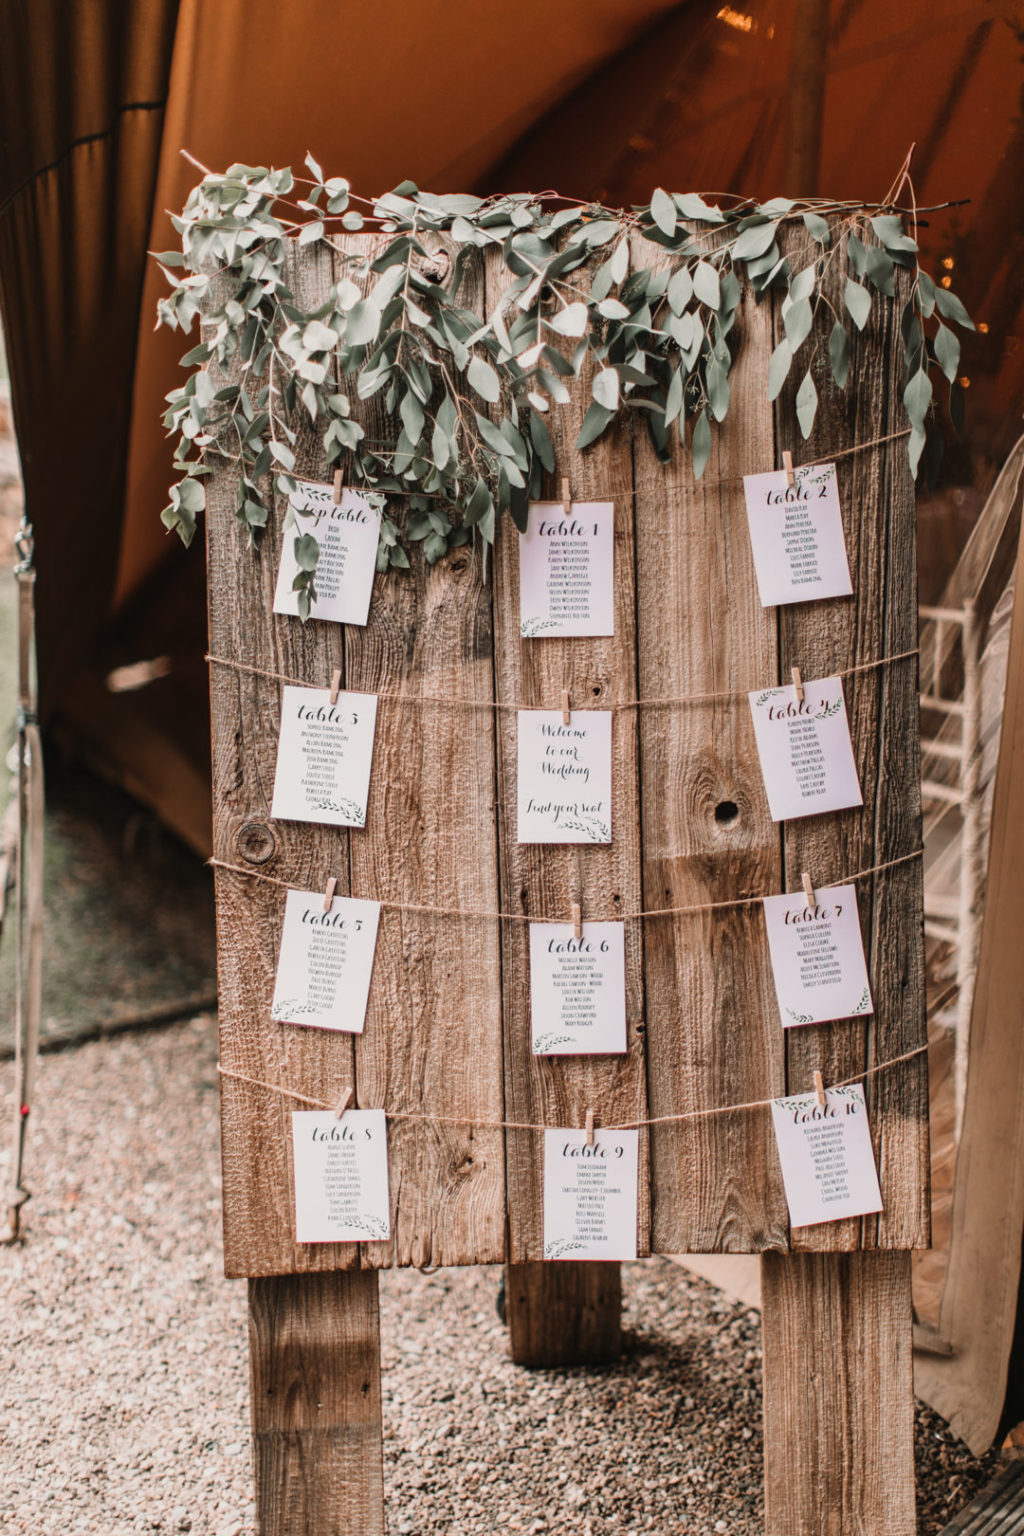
[(468, 398)]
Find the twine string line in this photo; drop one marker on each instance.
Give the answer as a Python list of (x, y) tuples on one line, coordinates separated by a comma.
[(496, 704), (530, 1125), (522, 917)]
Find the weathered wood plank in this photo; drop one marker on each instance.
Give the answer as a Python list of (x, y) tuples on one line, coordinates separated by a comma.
[(838, 1394), (563, 1314), (822, 638), (542, 882), (713, 1035), (314, 1376)]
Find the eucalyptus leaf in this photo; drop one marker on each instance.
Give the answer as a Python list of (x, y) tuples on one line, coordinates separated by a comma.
[(483, 379), (594, 423), (701, 447), (706, 284), (605, 388), (570, 321), (817, 228), (947, 350), (362, 323), (858, 303), (839, 353), (949, 305), (806, 404), (663, 212), (778, 368)]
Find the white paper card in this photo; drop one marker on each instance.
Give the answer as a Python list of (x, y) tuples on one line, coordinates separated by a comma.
[(818, 956), (805, 749), (828, 1163), (577, 989), (323, 973), (796, 533), (341, 1176), (566, 584), (324, 753), (590, 1195), (565, 776), (347, 533)]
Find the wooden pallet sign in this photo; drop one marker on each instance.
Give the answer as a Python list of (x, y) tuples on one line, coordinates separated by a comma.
[(447, 1050)]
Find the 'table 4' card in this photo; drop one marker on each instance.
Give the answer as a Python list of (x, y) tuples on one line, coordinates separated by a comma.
[(818, 956), (565, 776), (796, 533), (566, 582), (341, 1176), (324, 754), (323, 974), (347, 532), (806, 754), (577, 989), (590, 1194), (828, 1163)]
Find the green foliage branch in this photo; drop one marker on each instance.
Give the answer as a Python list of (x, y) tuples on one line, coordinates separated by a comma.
[(468, 398)]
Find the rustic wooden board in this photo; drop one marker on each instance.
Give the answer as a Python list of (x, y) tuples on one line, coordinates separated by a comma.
[(838, 1394), (563, 1314), (543, 881), (822, 638), (713, 1036)]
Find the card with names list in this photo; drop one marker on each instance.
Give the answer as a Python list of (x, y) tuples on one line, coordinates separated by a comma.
[(796, 534), (326, 960), (341, 1176), (817, 955), (564, 782), (577, 989), (828, 1162), (590, 1194), (324, 753), (566, 570), (805, 750), (347, 533)]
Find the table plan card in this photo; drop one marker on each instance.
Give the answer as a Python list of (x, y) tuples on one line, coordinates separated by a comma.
[(566, 569), (565, 776), (324, 753), (347, 532), (796, 533), (323, 973), (828, 1163), (805, 750), (577, 989), (818, 956), (341, 1176), (590, 1194)]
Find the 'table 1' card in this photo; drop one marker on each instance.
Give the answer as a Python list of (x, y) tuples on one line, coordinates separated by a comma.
[(324, 754), (828, 1163), (566, 561), (796, 533), (590, 1194), (347, 533), (341, 1176), (818, 956), (323, 974), (805, 749), (565, 776), (577, 989)]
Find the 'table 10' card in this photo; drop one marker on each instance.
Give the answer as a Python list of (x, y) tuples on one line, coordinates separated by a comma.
[(828, 1163), (818, 956), (590, 1194), (566, 575), (796, 533)]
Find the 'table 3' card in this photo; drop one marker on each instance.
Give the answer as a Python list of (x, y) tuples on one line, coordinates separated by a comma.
[(323, 974), (341, 1176), (828, 1163), (818, 956), (577, 989), (806, 754), (566, 583), (590, 1194), (565, 776), (324, 754), (347, 532), (796, 533)]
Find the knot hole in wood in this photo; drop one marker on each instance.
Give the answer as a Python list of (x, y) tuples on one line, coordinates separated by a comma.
[(256, 842)]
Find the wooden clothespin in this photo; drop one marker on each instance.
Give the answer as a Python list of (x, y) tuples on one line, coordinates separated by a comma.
[(809, 896), (565, 707), (590, 1127), (566, 496), (787, 464), (798, 684), (819, 1090), (577, 920), (335, 684), (343, 1103), (337, 485), (332, 886)]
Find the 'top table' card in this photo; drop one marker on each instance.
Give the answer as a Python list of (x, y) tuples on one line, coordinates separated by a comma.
[(590, 1194), (565, 776), (818, 956), (566, 565), (324, 754), (577, 989), (806, 754), (323, 974), (341, 1176), (347, 533), (828, 1162), (796, 533)]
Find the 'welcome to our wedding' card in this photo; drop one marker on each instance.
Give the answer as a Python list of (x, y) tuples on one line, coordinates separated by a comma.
[(565, 776)]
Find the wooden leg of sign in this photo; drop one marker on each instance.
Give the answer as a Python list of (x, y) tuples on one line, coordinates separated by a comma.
[(838, 1394), (564, 1314), (314, 1374)]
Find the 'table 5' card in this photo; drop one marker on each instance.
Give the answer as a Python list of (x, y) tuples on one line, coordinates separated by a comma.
[(806, 754), (796, 533), (323, 974), (818, 956)]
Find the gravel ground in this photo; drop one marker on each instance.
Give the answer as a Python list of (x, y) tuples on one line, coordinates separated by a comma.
[(123, 1395)]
